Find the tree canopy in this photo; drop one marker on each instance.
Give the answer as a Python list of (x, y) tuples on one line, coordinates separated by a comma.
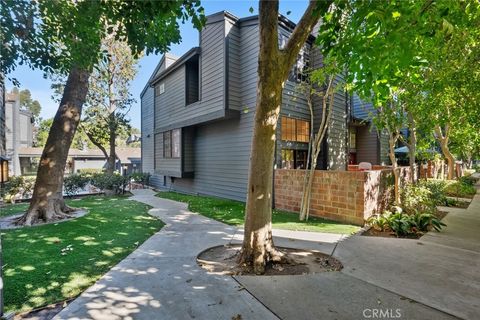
[(54, 36)]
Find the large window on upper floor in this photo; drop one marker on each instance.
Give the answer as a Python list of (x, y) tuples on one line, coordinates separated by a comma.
[(192, 81), (295, 130)]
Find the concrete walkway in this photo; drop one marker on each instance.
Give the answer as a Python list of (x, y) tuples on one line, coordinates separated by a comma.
[(436, 277), (161, 279)]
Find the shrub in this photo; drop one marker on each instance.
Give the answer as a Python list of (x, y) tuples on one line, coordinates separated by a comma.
[(18, 187), (90, 170), (141, 177), (405, 225), (417, 197), (113, 182), (75, 182), (421, 222), (437, 190), (460, 189), (468, 180)]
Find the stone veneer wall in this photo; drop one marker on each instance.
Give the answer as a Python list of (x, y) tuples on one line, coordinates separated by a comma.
[(344, 196)]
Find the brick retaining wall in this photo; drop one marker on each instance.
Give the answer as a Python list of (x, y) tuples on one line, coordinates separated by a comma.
[(344, 196)]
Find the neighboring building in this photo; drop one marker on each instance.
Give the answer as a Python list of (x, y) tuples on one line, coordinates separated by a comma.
[(3, 151), (198, 110), (366, 144), (19, 130), (129, 160)]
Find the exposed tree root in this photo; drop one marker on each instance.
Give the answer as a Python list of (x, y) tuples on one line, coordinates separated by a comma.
[(54, 210), (259, 256)]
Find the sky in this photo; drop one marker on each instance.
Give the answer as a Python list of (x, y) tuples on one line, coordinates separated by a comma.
[(40, 87)]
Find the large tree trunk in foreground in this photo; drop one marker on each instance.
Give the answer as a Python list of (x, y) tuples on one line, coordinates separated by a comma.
[(273, 69), (443, 140), (47, 202)]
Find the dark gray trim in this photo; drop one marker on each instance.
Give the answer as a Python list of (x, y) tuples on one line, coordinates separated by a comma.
[(248, 21), (206, 118), (219, 16), (226, 75), (182, 149), (180, 61), (153, 133), (162, 60)]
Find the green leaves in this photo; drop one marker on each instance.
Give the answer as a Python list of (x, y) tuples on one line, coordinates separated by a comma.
[(56, 35)]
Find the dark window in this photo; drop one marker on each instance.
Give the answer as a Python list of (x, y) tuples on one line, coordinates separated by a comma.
[(295, 130), (167, 144), (176, 143), (171, 144), (294, 159), (192, 83)]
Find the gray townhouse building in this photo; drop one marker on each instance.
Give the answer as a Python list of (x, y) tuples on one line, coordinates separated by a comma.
[(3, 150), (19, 130), (197, 114)]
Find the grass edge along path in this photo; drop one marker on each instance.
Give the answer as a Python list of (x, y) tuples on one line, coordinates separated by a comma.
[(231, 212), (50, 263)]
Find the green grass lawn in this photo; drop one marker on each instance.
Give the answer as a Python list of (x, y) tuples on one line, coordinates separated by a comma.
[(232, 213), (36, 272), (13, 209)]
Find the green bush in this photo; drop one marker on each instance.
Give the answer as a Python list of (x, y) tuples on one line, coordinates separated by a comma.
[(437, 190), (406, 225), (141, 177), (90, 170), (114, 182), (18, 186), (417, 198), (75, 182), (468, 180), (460, 189)]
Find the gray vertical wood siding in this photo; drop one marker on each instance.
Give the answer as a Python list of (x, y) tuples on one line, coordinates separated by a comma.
[(216, 150)]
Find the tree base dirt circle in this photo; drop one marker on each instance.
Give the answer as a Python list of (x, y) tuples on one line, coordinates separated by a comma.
[(9, 222), (222, 260)]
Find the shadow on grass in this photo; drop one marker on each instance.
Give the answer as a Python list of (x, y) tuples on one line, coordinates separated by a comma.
[(54, 262)]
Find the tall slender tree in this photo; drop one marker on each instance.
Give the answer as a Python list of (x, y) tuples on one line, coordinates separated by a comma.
[(274, 65), (65, 37)]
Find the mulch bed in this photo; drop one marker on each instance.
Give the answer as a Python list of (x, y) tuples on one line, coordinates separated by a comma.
[(223, 260)]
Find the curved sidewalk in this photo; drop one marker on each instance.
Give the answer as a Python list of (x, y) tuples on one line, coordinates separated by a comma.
[(161, 279)]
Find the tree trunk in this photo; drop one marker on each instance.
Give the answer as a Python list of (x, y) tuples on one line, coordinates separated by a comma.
[(412, 147), (396, 179), (327, 102), (273, 69), (47, 202), (443, 140), (111, 141), (258, 246)]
